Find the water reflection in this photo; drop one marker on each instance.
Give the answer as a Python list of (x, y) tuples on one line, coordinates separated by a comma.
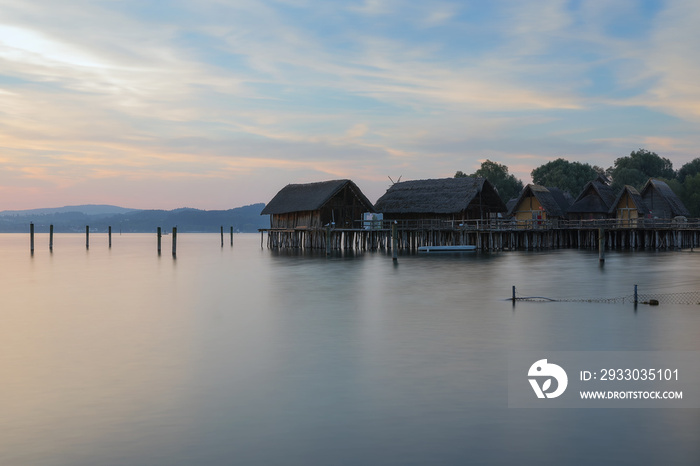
[(249, 356)]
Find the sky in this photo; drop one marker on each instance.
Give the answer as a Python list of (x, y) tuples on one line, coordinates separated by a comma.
[(215, 104)]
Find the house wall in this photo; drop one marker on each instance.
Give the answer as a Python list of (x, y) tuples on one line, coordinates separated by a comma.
[(587, 216), (577, 212), (529, 209), (626, 210), (657, 204), (422, 216), (303, 219), (344, 209), (530, 213), (472, 214)]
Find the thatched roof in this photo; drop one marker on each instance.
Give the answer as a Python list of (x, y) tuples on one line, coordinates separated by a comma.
[(562, 198), (311, 196), (636, 199), (595, 197), (439, 196), (664, 190), (553, 200), (601, 178)]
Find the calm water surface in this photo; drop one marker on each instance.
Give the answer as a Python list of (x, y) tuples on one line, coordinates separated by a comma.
[(242, 355)]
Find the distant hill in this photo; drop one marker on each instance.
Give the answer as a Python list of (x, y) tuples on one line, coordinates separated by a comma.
[(88, 209), (245, 219)]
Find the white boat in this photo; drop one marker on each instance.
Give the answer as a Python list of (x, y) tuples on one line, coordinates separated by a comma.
[(464, 247)]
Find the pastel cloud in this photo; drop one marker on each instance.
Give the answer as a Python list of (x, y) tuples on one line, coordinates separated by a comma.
[(257, 94)]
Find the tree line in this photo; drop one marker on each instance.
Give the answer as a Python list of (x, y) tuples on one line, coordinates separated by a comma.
[(633, 170)]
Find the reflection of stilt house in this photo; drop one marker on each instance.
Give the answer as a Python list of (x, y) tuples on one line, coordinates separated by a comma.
[(662, 201), (538, 206), (629, 207), (594, 202), (314, 205), (447, 199)]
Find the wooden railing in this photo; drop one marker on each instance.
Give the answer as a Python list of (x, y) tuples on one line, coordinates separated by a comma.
[(512, 224)]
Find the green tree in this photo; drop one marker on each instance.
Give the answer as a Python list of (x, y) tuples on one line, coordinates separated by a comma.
[(630, 176), (638, 167), (507, 184), (690, 194), (565, 175), (689, 169)]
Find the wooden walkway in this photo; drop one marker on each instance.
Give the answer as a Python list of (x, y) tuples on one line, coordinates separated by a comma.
[(649, 234)]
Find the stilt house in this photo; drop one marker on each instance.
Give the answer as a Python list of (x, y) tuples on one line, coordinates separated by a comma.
[(662, 201), (538, 204), (594, 202), (440, 199), (629, 207), (314, 205)]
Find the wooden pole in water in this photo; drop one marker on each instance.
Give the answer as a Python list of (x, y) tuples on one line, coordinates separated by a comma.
[(31, 237), (174, 241), (50, 237), (222, 236), (87, 236), (328, 239), (231, 236), (513, 294), (159, 234), (635, 295), (109, 232), (394, 242), (601, 245)]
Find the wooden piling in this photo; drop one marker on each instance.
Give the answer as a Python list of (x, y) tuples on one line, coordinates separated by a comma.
[(50, 237), (109, 234), (174, 241), (394, 242), (584, 237), (87, 236), (231, 236), (222, 236), (159, 235), (31, 237)]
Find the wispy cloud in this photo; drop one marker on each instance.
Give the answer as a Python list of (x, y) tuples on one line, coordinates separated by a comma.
[(257, 94), (670, 62), (374, 7)]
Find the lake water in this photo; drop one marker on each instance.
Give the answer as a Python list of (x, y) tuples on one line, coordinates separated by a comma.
[(243, 355)]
